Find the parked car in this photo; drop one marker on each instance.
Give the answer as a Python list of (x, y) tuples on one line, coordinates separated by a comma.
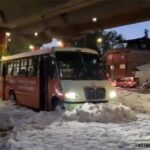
[(127, 82)]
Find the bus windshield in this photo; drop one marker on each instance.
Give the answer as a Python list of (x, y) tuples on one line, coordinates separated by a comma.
[(79, 66)]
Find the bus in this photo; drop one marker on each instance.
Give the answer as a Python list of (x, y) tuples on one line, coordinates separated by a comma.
[(54, 79)]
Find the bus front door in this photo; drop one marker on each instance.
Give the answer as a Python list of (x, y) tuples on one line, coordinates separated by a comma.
[(44, 82)]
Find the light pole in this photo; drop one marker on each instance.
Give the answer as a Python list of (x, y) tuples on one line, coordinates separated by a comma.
[(99, 44), (99, 40)]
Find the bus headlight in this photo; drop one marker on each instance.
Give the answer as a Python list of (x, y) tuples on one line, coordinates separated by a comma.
[(71, 95), (112, 94)]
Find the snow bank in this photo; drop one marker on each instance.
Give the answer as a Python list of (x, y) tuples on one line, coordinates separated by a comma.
[(138, 100), (49, 131), (5, 123), (144, 73), (145, 67), (100, 113), (143, 76)]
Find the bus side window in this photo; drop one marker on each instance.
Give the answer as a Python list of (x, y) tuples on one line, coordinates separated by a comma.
[(36, 64), (16, 67), (23, 67), (30, 67), (10, 68)]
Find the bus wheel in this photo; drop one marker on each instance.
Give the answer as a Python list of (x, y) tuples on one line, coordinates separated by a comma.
[(57, 105), (12, 96)]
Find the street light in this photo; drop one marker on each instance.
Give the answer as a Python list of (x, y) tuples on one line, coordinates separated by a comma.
[(31, 47), (60, 44), (8, 34), (35, 34), (94, 19), (99, 40), (9, 39), (99, 44)]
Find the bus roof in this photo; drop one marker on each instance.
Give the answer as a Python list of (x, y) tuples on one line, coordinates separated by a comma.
[(47, 51)]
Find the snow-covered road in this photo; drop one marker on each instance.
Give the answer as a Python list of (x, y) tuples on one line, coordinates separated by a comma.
[(51, 131)]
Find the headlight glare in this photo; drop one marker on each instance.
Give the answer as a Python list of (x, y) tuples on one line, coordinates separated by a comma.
[(112, 94), (71, 95)]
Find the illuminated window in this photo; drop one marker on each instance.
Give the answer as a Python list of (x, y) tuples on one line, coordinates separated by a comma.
[(23, 67), (16, 67)]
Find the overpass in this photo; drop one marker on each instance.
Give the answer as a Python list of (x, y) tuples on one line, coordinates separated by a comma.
[(68, 19)]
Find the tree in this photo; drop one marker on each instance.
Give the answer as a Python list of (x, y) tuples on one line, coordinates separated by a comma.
[(17, 46), (101, 41), (146, 33)]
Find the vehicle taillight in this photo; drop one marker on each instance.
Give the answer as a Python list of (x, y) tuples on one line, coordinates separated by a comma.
[(114, 83), (129, 82)]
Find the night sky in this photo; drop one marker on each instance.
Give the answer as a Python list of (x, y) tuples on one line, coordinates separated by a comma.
[(133, 31)]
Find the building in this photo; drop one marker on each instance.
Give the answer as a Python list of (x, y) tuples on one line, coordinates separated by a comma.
[(138, 44), (117, 63), (123, 62)]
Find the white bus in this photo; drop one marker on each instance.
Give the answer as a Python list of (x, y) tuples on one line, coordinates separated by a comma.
[(55, 78)]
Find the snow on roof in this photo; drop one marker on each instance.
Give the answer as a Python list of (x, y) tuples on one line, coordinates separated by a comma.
[(47, 51), (145, 67)]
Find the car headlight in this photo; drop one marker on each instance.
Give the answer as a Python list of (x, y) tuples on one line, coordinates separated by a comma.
[(71, 95), (112, 94)]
